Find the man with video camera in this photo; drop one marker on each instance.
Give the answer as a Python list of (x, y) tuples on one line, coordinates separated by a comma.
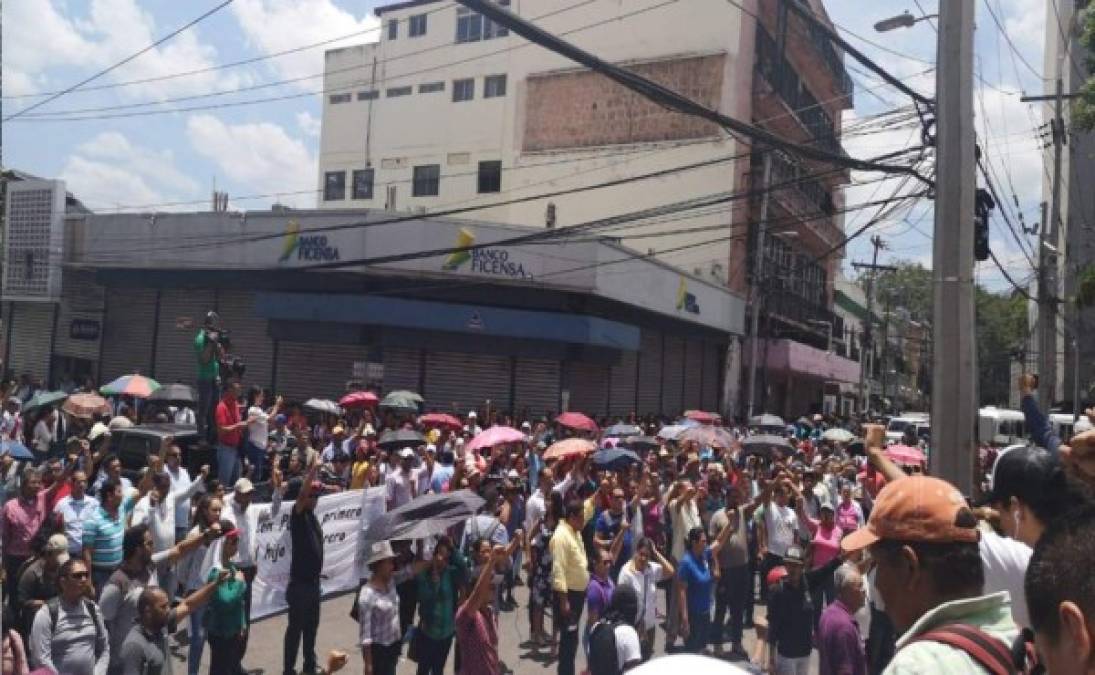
[(209, 352)]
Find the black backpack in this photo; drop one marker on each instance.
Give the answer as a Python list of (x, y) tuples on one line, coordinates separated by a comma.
[(54, 605), (602, 648)]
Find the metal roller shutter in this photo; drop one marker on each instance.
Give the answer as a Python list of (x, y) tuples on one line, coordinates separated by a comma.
[(673, 377), (457, 382), (401, 366), (82, 300), (621, 398), (32, 328), (650, 373), (127, 332), (182, 312), (693, 375), (307, 370), (251, 340), (588, 383), (712, 375), (537, 387)]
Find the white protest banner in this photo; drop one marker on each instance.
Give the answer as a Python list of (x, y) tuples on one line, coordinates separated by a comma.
[(342, 519)]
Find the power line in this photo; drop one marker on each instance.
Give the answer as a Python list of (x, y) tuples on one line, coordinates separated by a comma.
[(124, 61), (1014, 50)]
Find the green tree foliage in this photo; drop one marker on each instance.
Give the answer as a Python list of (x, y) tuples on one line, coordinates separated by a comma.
[(1083, 108)]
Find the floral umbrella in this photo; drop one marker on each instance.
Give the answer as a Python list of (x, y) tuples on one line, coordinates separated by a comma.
[(571, 447), (137, 386), (85, 406)]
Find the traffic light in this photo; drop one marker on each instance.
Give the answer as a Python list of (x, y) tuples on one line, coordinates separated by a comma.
[(983, 205)]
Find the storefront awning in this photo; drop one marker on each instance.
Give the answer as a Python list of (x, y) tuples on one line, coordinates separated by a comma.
[(447, 317), (802, 359)]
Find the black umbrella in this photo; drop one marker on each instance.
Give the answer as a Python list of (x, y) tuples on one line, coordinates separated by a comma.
[(401, 438), (640, 443), (174, 393), (426, 516), (764, 445), (615, 459)]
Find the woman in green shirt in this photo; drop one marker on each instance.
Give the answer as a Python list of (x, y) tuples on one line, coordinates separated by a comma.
[(438, 586), (226, 618)]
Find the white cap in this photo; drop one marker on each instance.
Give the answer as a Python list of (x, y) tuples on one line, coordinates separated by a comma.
[(1083, 424), (406, 453), (472, 415), (431, 448), (526, 425), (97, 430), (380, 550)]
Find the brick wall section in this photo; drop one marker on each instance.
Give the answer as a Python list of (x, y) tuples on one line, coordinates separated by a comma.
[(584, 109)]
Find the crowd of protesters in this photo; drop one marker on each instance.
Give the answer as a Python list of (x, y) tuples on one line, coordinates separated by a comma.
[(670, 549)]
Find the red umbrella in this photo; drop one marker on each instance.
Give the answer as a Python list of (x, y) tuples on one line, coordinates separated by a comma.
[(906, 454), (571, 447), (702, 416), (359, 399), (577, 420), (440, 420)]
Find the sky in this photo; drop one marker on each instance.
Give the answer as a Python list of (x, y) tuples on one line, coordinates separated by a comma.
[(174, 160)]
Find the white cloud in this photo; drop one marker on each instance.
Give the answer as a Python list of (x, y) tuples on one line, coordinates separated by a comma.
[(272, 25), (109, 170), (111, 31), (309, 124), (263, 157)]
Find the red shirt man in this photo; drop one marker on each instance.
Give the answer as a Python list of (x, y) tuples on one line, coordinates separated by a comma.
[(229, 431)]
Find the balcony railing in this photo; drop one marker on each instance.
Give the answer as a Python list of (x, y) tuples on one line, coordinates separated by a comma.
[(834, 61)]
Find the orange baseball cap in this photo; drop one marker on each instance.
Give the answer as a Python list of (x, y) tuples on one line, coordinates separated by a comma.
[(917, 508)]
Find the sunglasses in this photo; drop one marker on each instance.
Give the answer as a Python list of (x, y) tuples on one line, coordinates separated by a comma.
[(79, 576)]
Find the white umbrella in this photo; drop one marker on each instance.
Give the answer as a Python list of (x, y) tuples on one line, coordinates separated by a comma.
[(323, 406), (670, 432), (838, 435)]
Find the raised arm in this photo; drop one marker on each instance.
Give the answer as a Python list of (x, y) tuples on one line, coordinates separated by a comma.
[(306, 487)]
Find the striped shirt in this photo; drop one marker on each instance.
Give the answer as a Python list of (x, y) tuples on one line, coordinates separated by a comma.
[(104, 535)]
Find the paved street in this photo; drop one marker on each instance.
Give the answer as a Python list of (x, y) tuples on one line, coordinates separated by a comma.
[(339, 631)]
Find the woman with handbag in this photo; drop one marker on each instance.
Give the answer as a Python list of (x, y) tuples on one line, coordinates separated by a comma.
[(438, 586)]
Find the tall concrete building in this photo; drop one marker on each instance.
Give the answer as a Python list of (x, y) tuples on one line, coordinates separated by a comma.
[(449, 110)]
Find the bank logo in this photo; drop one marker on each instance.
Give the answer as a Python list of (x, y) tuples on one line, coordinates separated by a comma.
[(307, 247), (686, 302), (464, 238)]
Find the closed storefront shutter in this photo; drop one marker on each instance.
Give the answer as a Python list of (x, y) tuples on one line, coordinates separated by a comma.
[(673, 377), (182, 312), (127, 332), (308, 370), (650, 373), (588, 388), (401, 366), (693, 375), (251, 340), (31, 330), (457, 382), (621, 398), (81, 317), (712, 375), (537, 387)]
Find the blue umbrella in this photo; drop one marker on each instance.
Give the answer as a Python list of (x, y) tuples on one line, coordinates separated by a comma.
[(620, 430), (615, 459), (17, 450)]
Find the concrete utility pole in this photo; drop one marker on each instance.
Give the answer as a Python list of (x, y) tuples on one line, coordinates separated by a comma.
[(1047, 263), (954, 376), (758, 278), (868, 329)]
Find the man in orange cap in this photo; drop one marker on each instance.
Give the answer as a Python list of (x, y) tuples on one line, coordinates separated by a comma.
[(923, 542)]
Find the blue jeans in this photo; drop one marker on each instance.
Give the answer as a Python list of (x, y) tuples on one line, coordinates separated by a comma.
[(207, 407), (197, 641), (256, 457), (228, 466)]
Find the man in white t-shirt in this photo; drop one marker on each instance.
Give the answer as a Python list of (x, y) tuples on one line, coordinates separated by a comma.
[(778, 531)]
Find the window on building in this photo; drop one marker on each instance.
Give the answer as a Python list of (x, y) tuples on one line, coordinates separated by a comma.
[(334, 186), (399, 91), (463, 90), (427, 180), (473, 27), (363, 184), (368, 95), (393, 29), (431, 87), (417, 25), (490, 177), (494, 86), (340, 98)]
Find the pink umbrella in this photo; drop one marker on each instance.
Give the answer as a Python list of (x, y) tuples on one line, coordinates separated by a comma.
[(702, 416), (441, 420), (571, 447), (359, 399), (495, 436), (579, 421), (905, 454)]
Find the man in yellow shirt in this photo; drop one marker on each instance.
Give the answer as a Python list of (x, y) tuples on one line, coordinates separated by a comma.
[(569, 578)]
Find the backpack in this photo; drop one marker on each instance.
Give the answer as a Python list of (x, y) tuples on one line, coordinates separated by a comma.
[(469, 540), (54, 605), (602, 648), (991, 654)]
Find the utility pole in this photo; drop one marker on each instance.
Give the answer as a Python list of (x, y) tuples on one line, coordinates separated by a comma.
[(1047, 277), (954, 376), (758, 277), (868, 329)]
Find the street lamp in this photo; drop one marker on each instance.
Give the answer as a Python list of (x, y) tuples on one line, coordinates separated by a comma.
[(904, 20)]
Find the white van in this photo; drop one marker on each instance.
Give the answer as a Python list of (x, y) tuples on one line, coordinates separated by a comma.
[(1000, 427), (918, 422)]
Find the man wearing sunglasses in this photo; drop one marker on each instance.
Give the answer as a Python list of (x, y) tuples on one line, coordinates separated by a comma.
[(68, 635)]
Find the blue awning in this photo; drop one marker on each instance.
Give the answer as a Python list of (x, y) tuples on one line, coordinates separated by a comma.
[(448, 317)]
